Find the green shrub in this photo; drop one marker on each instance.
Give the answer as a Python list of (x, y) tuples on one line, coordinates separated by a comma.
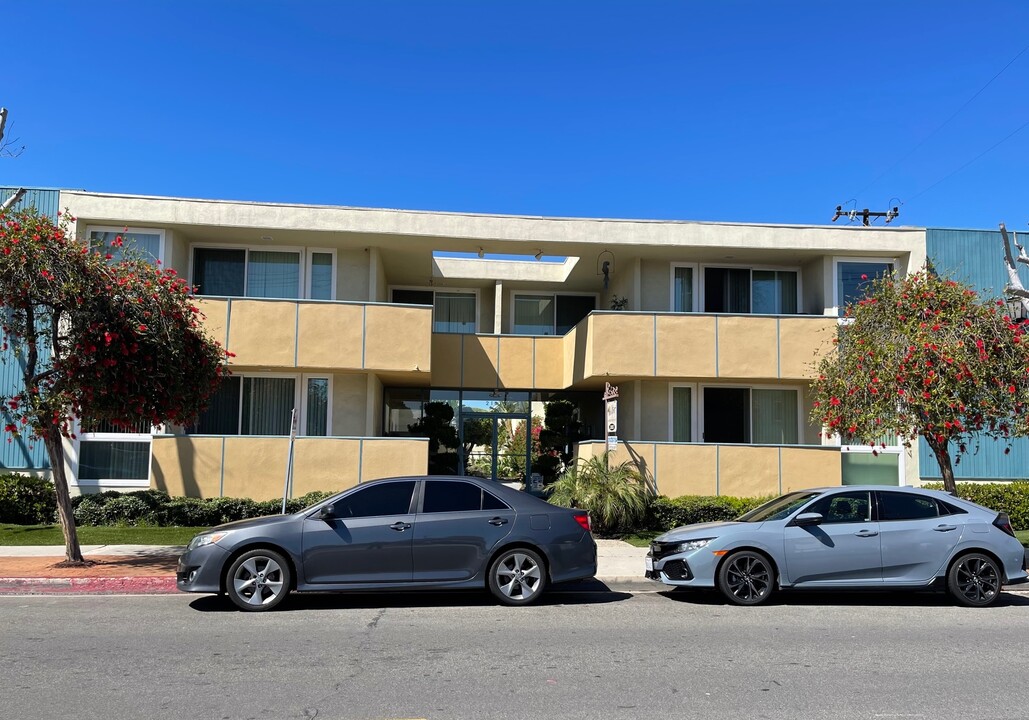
[(667, 513), (616, 498), (27, 500), (1011, 498)]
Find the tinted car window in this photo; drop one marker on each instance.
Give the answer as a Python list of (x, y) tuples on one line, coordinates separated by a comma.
[(385, 499), (445, 496), (492, 502), (778, 509), (902, 506), (844, 507)]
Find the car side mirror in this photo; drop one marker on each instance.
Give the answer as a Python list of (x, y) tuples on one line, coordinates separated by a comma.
[(328, 512), (808, 518)]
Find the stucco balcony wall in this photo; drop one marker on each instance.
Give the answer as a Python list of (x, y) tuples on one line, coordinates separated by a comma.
[(209, 466), (321, 335)]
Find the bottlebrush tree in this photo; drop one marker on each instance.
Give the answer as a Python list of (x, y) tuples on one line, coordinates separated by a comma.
[(925, 355), (96, 341)]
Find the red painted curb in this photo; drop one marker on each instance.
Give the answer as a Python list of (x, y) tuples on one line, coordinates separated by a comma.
[(152, 585)]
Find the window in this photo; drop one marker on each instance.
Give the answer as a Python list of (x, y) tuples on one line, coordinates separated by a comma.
[(145, 243), (114, 452), (260, 405), (442, 497), (854, 277), (682, 413), (743, 290), (682, 288), (849, 507), (392, 498), (452, 312), (492, 502), (751, 415), (550, 314), (902, 506), (244, 272), (321, 276)]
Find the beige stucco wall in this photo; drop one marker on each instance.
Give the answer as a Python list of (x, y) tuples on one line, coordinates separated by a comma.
[(655, 291), (331, 335), (801, 342), (263, 333), (398, 338), (747, 347), (739, 470), (255, 467), (686, 346), (623, 344), (349, 404), (352, 275)]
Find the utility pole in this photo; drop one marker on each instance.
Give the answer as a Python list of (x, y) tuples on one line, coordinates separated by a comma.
[(866, 215)]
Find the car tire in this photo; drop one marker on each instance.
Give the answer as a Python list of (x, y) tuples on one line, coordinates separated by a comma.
[(746, 578), (258, 580), (517, 576), (974, 580)]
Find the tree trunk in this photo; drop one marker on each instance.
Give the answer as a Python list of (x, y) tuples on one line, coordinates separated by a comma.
[(55, 449), (943, 459)]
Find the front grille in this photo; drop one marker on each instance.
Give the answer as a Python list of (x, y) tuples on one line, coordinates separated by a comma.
[(677, 570), (660, 550)]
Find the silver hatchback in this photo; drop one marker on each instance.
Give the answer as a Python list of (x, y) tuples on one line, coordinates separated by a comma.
[(846, 537)]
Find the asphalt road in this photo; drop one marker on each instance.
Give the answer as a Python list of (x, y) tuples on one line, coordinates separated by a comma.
[(580, 655)]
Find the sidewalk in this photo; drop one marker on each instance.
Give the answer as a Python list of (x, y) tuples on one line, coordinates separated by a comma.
[(150, 569)]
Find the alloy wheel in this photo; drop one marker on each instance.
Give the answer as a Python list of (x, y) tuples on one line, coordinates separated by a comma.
[(259, 581)]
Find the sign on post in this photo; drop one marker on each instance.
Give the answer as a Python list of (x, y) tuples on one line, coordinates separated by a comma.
[(610, 416)]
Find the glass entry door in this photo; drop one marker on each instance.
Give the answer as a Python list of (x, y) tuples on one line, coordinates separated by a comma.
[(494, 446)]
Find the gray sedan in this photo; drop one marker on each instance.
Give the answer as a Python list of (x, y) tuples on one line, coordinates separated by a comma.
[(846, 537), (397, 534)]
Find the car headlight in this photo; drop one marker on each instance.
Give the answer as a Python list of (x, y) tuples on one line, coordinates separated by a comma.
[(206, 539), (693, 544)]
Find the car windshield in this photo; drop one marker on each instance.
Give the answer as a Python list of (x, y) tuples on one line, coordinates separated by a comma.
[(778, 509)]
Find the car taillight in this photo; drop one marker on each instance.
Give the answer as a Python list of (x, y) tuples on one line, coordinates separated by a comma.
[(1004, 523), (584, 520)]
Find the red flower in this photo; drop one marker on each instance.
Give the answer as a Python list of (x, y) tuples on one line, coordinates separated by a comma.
[(864, 277), (1011, 388), (834, 401)]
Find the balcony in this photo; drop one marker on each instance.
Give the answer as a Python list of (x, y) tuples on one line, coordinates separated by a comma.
[(319, 335), (255, 467), (737, 470), (627, 345)]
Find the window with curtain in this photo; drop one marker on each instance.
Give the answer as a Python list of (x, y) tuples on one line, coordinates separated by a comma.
[(219, 271), (534, 315), (682, 418), (267, 406), (272, 274), (745, 415), (454, 312), (321, 276), (775, 416), (741, 290), (682, 291), (317, 416), (145, 245), (114, 460), (853, 280)]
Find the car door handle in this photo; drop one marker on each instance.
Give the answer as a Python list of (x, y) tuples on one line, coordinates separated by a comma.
[(945, 528), (498, 521), (866, 533), (400, 526)]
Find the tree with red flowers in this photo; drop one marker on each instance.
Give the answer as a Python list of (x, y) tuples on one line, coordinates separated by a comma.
[(96, 341), (925, 355)]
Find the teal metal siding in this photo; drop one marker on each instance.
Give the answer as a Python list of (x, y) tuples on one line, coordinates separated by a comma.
[(976, 257), (47, 202), (22, 453)]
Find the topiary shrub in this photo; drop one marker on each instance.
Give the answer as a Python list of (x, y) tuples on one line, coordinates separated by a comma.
[(27, 500)]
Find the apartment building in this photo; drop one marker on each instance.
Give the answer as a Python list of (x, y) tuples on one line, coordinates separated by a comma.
[(411, 342)]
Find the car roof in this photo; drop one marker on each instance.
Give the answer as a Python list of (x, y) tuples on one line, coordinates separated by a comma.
[(514, 497)]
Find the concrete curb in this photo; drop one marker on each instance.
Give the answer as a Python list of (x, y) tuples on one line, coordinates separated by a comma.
[(151, 585)]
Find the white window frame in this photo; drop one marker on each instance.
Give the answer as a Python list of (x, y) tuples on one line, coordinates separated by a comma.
[(248, 247), (699, 427), (75, 453), (836, 310), (311, 251), (121, 230), (699, 300), (695, 267), (512, 294), (434, 289), (302, 426), (694, 406)]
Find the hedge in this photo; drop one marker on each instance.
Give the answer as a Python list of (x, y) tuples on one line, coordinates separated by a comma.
[(667, 513), (31, 501), (1011, 498)]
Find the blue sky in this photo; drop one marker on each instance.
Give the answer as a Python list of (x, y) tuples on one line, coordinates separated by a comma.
[(728, 111)]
